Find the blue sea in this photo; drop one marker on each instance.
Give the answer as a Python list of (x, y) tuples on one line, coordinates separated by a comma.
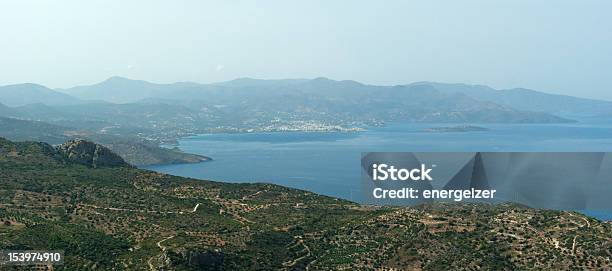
[(329, 163)]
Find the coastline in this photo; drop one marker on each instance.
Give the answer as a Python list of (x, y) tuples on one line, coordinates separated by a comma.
[(174, 145)]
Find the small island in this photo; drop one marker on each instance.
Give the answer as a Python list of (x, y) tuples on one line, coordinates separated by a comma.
[(455, 129)]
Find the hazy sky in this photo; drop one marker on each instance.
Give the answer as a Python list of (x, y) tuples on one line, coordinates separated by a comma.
[(555, 46)]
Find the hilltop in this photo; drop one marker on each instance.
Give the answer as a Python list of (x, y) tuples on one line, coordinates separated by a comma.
[(114, 216), (23, 94), (90, 154)]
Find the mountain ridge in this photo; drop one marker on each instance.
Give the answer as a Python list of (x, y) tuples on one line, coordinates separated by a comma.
[(531, 100), (117, 89), (28, 93)]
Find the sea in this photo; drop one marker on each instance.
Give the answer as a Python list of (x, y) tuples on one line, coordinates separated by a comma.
[(328, 163)]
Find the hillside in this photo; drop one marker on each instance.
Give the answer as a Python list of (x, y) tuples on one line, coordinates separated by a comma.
[(529, 100), (133, 149), (142, 153), (115, 90), (24, 130), (253, 104), (119, 217), (5, 110), (23, 94)]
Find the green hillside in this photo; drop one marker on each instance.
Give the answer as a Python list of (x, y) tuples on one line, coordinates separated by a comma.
[(135, 150), (123, 218)]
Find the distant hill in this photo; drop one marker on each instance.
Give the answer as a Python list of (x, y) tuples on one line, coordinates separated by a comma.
[(127, 113), (23, 94), (529, 100), (43, 112), (252, 82), (131, 148), (6, 111), (122, 90), (35, 111), (24, 130), (248, 100)]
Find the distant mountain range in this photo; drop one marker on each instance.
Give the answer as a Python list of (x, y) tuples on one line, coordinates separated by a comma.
[(123, 90), (251, 104), (530, 100), (318, 92), (120, 108)]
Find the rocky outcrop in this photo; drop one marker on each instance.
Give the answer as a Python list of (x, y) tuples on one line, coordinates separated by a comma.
[(90, 154)]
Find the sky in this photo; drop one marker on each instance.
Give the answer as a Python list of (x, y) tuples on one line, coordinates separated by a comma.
[(556, 46)]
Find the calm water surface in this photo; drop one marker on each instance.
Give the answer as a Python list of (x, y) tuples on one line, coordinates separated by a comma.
[(328, 163)]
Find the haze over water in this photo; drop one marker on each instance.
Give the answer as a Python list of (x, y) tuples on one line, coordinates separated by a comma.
[(329, 163)]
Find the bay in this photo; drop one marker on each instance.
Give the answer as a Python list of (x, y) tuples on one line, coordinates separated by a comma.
[(329, 163)]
